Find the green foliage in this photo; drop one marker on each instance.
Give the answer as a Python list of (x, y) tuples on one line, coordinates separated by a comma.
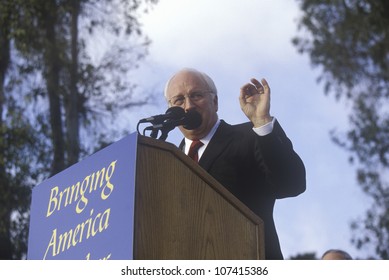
[(304, 256), (349, 40), (20, 147)]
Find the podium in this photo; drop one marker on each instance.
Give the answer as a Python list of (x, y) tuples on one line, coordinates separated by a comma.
[(181, 212), (140, 198)]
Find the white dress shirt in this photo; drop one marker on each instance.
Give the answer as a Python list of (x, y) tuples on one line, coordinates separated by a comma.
[(261, 131)]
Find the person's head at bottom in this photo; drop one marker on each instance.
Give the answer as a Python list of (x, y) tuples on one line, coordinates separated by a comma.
[(335, 254)]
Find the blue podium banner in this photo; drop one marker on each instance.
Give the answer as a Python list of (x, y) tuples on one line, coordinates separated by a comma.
[(87, 211)]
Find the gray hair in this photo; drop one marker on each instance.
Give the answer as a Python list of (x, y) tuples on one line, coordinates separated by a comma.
[(204, 76)]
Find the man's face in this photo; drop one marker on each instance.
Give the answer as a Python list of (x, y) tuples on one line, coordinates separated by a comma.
[(190, 91)]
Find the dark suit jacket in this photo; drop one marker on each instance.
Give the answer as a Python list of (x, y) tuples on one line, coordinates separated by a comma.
[(257, 170)]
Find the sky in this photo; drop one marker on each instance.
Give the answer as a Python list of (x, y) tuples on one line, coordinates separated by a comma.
[(233, 41)]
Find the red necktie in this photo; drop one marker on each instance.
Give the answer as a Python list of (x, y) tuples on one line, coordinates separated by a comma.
[(193, 150)]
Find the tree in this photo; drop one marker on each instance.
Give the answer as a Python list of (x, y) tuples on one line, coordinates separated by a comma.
[(17, 154), (304, 256), (52, 91), (349, 40)]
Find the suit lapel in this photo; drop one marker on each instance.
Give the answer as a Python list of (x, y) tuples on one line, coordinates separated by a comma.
[(217, 145)]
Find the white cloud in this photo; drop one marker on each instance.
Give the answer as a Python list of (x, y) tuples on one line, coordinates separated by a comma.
[(220, 33)]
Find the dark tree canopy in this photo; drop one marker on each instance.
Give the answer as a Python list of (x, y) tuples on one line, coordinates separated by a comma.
[(349, 41), (55, 97)]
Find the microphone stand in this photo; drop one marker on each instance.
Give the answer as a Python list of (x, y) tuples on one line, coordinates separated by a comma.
[(164, 132), (189, 120), (165, 128), (154, 133)]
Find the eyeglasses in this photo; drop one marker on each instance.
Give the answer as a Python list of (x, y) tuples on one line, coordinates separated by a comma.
[(179, 100)]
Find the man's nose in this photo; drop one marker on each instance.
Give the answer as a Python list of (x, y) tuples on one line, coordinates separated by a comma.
[(189, 104)]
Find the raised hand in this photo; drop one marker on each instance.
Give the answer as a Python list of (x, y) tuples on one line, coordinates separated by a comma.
[(254, 101)]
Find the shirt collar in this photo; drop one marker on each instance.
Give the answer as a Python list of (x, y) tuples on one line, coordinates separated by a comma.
[(205, 140)]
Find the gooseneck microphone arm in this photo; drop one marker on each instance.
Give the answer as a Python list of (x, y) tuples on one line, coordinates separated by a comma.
[(171, 114), (171, 119)]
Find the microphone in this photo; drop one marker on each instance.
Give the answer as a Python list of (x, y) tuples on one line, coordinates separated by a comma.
[(173, 113), (191, 120)]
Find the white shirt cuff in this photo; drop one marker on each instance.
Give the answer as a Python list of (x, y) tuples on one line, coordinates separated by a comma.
[(265, 129)]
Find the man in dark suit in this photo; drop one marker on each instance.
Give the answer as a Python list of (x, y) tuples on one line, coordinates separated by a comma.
[(255, 161)]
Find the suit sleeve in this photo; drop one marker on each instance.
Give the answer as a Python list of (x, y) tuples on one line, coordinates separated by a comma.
[(284, 169)]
